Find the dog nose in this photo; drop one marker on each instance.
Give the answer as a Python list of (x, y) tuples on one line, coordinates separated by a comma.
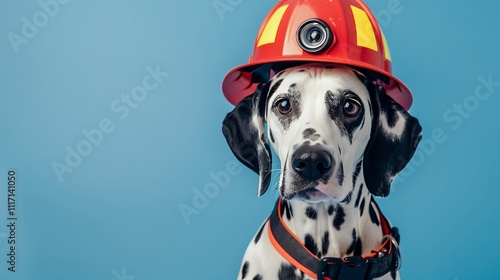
[(311, 163)]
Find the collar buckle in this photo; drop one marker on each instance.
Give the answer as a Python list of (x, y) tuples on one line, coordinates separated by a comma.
[(338, 269)]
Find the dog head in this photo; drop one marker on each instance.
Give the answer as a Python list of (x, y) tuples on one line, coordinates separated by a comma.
[(329, 126)]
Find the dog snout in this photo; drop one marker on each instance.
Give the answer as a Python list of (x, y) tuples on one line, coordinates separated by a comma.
[(312, 163)]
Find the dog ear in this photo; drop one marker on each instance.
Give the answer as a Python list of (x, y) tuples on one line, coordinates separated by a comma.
[(244, 131), (394, 139)]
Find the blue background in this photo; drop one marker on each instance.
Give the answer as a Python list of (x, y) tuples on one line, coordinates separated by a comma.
[(117, 213)]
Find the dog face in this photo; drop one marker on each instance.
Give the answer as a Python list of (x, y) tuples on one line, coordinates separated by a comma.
[(319, 124), (327, 125)]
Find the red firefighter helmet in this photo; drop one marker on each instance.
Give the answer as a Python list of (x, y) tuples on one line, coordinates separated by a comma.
[(329, 31)]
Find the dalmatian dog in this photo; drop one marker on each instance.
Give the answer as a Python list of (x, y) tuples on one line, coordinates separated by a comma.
[(340, 140)]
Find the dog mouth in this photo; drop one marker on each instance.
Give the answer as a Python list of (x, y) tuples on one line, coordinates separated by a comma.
[(310, 195), (313, 194)]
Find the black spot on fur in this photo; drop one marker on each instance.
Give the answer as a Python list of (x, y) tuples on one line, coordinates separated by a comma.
[(310, 244), (271, 135), (257, 277), (340, 174), (353, 244), (259, 233), (244, 270), (287, 272), (311, 213), (274, 88), (308, 132), (358, 250), (362, 207), (286, 209), (373, 215), (348, 198), (330, 210), (325, 243), (359, 195), (339, 218)]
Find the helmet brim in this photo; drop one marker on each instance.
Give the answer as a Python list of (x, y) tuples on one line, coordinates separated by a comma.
[(243, 80)]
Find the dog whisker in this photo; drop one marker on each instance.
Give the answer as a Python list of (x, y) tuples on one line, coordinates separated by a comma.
[(276, 178)]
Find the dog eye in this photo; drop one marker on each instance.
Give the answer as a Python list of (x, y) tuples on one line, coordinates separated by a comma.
[(284, 106), (351, 107)]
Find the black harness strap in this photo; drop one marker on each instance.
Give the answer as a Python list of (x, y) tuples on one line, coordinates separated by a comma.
[(382, 261)]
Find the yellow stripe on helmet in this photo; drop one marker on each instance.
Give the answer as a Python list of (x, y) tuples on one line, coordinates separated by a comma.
[(387, 53), (269, 33), (364, 29)]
